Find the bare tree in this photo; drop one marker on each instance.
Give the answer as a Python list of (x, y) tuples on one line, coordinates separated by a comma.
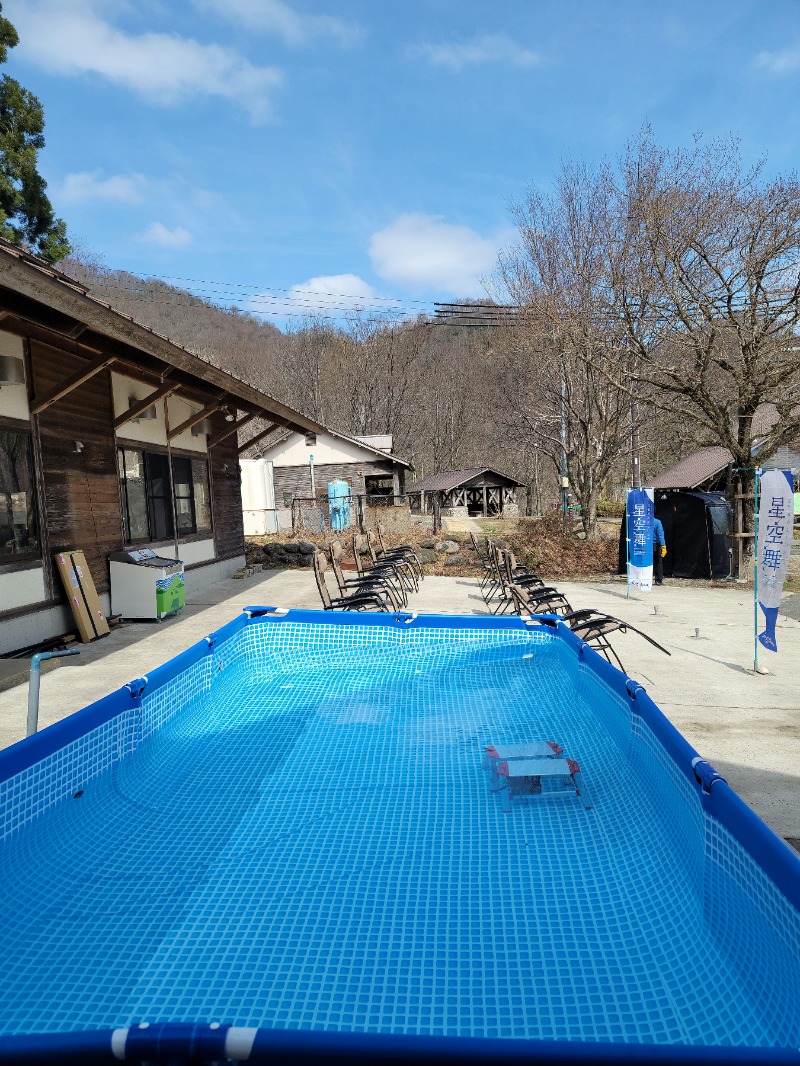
[(311, 361), (381, 375), (566, 352), (708, 288), (676, 277)]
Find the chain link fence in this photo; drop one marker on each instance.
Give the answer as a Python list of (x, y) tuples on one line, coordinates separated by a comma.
[(360, 512)]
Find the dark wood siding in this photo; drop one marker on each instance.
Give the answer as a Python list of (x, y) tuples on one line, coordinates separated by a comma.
[(81, 491), (226, 494), (296, 480)]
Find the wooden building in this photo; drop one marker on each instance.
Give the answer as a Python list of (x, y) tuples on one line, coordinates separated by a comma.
[(111, 436), (478, 491), (292, 459)]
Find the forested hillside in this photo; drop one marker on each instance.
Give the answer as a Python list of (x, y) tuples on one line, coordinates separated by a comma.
[(451, 396)]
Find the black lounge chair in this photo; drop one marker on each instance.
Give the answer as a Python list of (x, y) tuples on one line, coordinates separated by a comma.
[(364, 583), (594, 627), (409, 563), (357, 601), (404, 551), (541, 599), (397, 571), (485, 558)]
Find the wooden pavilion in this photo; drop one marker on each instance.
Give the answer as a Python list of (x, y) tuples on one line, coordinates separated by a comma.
[(474, 492)]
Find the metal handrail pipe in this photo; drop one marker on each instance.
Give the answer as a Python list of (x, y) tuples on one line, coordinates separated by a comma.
[(33, 685)]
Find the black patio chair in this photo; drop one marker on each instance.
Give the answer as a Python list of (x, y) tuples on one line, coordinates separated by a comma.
[(405, 551), (396, 557), (484, 557), (357, 601), (399, 570), (364, 583), (540, 599), (594, 627)]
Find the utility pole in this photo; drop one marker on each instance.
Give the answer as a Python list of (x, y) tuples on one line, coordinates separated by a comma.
[(536, 478), (636, 474)]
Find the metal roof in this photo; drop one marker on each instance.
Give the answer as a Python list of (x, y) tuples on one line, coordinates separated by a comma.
[(695, 469), (281, 435), (447, 480)]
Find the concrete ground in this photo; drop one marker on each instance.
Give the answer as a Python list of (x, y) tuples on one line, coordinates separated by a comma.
[(746, 725)]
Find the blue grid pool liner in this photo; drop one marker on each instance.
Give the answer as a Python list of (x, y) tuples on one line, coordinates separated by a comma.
[(296, 833)]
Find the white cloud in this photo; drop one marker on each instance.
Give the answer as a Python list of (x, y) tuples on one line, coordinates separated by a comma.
[(784, 62), (325, 294), (423, 252), (159, 234), (89, 186), (275, 16), (489, 48), (165, 69)]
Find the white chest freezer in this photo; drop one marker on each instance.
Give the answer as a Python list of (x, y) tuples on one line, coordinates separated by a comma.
[(146, 585)]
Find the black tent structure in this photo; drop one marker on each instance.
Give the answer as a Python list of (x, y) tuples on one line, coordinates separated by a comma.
[(696, 529)]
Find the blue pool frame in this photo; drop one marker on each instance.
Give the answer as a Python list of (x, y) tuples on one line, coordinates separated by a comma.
[(218, 1043)]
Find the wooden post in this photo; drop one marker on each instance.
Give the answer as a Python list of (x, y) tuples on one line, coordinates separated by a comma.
[(485, 509), (740, 535), (739, 531)]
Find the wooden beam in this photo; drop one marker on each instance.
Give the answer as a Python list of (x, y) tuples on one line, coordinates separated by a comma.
[(259, 436), (141, 406), (94, 366), (198, 416), (233, 429)]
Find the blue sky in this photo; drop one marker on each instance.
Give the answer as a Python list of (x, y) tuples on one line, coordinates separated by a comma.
[(370, 148)]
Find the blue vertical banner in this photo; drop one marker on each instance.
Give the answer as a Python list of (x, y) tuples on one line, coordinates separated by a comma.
[(640, 513), (775, 519)]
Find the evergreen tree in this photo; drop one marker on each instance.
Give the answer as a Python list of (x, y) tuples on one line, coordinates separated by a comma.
[(26, 214)]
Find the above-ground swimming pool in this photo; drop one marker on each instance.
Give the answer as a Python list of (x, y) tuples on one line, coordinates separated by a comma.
[(290, 843)]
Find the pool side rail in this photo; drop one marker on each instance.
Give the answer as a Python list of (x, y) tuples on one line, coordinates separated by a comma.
[(179, 1043)]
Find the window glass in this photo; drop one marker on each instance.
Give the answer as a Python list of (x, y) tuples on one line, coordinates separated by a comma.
[(134, 494), (159, 499), (202, 499), (147, 499), (182, 486), (18, 534)]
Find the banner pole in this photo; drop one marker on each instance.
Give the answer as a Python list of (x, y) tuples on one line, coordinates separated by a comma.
[(627, 550), (755, 573)]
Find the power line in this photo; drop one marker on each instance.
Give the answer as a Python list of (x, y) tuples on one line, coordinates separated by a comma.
[(314, 310), (265, 290), (276, 306), (494, 316)]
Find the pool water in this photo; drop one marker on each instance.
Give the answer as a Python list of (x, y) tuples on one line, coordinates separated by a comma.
[(310, 841)]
